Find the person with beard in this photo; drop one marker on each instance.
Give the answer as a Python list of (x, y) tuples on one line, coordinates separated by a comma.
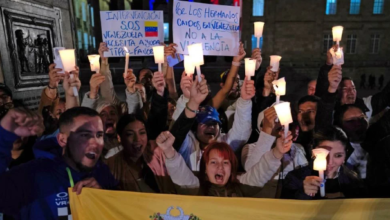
[(198, 126), (140, 165), (218, 174), (355, 123), (340, 181), (31, 191), (372, 105)]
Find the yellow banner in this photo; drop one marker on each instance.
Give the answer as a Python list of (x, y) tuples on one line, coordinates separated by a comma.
[(94, 204)]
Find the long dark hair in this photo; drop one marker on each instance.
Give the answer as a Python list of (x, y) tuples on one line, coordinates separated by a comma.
[(333, 133)]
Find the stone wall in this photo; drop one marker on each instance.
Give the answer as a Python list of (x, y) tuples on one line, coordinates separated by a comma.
[(52, 18)]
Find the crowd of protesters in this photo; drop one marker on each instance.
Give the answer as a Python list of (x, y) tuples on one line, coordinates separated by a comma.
[(159, 141)]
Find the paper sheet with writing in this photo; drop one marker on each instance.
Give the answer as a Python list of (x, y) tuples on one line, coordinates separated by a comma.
[(137, 30), (217, 27)]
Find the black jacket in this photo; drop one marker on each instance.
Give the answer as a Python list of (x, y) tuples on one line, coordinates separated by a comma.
[(347, 183)]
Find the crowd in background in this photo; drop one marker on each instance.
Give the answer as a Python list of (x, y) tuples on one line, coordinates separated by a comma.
[(189, 142)]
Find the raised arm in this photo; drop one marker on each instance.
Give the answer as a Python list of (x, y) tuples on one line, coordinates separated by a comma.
[(107, 90), (18, 122), (91, 98), (49, 94), (133, 97), (68, 84), (223, 93), (178, 170), (269, 163), (158, 114), (181, 127), (239, 134), (170, 74)]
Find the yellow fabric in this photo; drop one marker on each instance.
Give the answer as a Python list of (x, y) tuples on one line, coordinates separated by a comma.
[(104, 204)]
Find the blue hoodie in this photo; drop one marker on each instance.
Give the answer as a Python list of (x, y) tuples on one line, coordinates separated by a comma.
[(39, 188)]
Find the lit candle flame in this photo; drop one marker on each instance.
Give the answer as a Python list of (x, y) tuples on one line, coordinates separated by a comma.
[(125, 48)]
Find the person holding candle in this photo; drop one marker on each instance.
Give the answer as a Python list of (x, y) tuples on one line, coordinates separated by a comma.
[(198, 126), (218, 170), (286, 158), (372, 105), (340, 181)]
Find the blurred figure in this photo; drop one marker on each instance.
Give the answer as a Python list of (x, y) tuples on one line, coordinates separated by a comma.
[(311, 87)]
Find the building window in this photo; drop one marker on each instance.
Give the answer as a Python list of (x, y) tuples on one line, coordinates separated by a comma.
[(166, 31), (254, 42), (83, 11), (378, 6), (85, 41), (351, 43), (354, 7), (331, 7), (374, 45), (92, 18), (79, 40), (328, 42), (258, 7)]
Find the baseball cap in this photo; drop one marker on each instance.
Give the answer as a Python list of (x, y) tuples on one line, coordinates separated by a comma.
[(208, 114)]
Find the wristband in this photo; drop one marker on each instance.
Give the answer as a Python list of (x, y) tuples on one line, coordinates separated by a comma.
[(194, 111), (48, 86), (237, 64)]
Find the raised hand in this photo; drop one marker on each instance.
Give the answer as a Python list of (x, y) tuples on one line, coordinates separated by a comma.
[(334, 77), (94, 83), (241, 53), (199, 91), (158, 82), (283, 145), (170, 50), (88, 182), (70, 82), (329, 58), (103, 48), (269, 120), (54, 76), (311, 185), (256, 55), (248, 90), (165, 141), (130, 80), (23, 122), (186, 85)]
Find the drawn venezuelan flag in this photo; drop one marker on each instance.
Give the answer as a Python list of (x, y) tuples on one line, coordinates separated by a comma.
[(151, 29)]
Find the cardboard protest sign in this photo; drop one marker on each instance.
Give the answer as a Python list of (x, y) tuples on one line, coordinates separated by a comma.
[(217, 27), (137, 30)]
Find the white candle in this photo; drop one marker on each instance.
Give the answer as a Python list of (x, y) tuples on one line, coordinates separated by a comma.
[(259, 26), (94, 62), (280, 88), (126, 60), (188, 66), (68, 59), (320, 165), (158, 52), (275, 59), (283, 111), (337, 32), (250, 66), (196, 53)]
